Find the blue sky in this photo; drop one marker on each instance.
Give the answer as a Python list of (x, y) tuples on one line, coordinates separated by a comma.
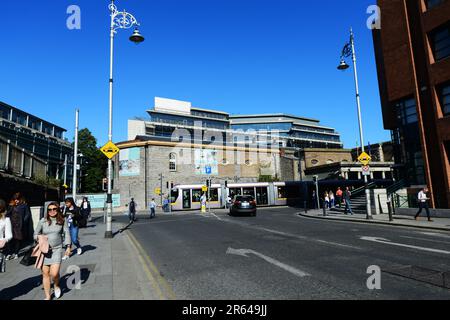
[(239, 56)]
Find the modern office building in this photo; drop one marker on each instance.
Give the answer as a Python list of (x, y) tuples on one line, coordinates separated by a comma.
[(169, 115), (412, 51), (38, 137)]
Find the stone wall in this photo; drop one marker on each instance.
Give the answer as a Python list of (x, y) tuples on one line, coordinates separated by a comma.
[(154, 160)]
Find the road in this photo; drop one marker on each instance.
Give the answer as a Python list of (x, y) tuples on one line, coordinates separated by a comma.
[(280, 255)]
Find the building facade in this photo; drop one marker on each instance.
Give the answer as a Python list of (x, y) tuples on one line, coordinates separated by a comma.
[(412, 51), (39, 138)]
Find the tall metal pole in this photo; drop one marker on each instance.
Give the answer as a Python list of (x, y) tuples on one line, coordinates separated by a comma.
[(358, 102), (75, 158), (65, 169), (108, 232)]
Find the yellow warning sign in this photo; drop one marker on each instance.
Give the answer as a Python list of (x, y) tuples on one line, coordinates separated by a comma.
[(364, 159), (158, 191), (205, 188), (109, 149)]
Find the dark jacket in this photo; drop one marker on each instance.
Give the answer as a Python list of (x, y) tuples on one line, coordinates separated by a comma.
[(75, 214), (132, 207), (16, 214), (85, 212)]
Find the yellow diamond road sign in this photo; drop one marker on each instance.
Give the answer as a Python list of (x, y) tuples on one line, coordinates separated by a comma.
[(364, 158), (204, 188), (109, 149)]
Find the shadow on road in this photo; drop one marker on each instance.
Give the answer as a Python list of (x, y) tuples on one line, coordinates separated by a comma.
[(21, 289)]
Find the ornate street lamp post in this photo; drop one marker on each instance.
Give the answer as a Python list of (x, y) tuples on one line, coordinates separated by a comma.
[(119, 20)]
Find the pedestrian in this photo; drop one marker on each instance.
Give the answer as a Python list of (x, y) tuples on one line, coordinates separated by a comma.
[(132, 210), (348, 206), (327, 200), (56, 230), (203, 202), (228, 204), (339, 196), (5, 234), (73, 216), (331, 195), (86, 210), (422, 198), (166, 204), (21, 222), (314, 199), (152, 208)]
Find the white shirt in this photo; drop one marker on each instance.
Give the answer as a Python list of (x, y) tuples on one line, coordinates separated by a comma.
[(422, 196), (152, 204), (5, 229)]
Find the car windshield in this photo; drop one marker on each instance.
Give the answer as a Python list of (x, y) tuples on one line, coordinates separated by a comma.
[(244, 198)]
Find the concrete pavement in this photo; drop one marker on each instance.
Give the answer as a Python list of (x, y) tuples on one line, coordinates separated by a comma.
[(110, 269), (441, 224)]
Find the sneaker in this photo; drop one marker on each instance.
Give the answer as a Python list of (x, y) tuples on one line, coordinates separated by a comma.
[(8, 257), (79, 251), (57, 293), (14, 256), (65, 257)]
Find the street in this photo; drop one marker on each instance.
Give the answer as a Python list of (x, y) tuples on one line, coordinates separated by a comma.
[(280, 255)]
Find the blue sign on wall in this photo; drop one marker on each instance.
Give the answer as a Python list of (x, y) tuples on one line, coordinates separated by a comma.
[(208, 169)]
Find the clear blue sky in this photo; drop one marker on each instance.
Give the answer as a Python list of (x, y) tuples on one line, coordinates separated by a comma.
[(239, 56)]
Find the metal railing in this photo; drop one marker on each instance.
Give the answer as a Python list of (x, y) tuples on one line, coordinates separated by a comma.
[(362, 189), (395, 187)]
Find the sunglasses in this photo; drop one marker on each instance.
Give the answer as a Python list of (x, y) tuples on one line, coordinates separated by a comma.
[(52, 209)]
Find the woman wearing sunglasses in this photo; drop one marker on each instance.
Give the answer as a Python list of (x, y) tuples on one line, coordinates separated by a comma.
[(55, 228)]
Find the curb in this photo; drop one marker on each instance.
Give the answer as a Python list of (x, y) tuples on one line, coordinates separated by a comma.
[(375, 222)]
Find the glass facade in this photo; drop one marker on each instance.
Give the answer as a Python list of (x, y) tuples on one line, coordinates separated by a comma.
[(406, 141), (444, 97), (206, 114), (433, 3), (263, 126), (187, 121), (440, 41)]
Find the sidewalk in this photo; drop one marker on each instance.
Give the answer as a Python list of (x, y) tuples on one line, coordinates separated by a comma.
[(442, 224), (110, 269)]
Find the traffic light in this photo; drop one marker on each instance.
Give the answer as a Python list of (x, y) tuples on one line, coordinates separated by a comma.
[(105, 184), (226, 184), (167, 185), (208, 183)]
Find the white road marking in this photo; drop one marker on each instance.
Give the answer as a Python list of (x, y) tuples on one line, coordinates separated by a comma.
[(436, 234), (245, 252), (423, 239), (389, 242)]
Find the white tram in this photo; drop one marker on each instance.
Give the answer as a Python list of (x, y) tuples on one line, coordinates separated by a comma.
[(187, 197)]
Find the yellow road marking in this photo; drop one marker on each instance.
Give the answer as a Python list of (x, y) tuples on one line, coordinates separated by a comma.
[(160, 280)]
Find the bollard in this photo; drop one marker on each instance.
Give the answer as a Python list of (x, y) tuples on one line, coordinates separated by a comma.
[(390, 211), (324, 209), (305, 206)]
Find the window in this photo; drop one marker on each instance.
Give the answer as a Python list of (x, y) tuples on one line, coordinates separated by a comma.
[(173, 162), (440, 42), (444, 99), (433, 3), (406, 111), (196, 195), (4, 112)]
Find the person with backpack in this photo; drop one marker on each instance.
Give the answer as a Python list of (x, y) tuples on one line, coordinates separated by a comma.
[(5, 234), (73, 217), (132, 210)]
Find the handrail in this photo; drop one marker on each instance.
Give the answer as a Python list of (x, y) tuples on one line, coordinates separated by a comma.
[(363, 189), (395, 187)]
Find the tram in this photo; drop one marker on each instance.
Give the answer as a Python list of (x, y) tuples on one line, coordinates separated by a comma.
[(187, 197)]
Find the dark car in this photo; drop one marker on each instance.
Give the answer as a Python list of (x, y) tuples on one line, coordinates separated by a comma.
[(243, 204)]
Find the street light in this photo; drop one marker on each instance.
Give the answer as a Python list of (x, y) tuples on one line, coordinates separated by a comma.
[(347, 51), (119, 20)]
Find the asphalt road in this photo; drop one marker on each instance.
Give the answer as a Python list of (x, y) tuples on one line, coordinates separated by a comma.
[(288, 257)]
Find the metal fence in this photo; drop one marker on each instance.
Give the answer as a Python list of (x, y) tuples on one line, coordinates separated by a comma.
[(17, 161)]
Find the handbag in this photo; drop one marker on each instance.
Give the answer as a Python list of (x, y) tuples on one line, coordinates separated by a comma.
[(27, 259), (2, 244)]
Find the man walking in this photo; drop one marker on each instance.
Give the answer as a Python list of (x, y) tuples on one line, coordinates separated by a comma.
[(348, 205), (132, 210), (422, 197), (152, 208)]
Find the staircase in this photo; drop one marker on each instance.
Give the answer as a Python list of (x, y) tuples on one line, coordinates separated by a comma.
[(358, 201)]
